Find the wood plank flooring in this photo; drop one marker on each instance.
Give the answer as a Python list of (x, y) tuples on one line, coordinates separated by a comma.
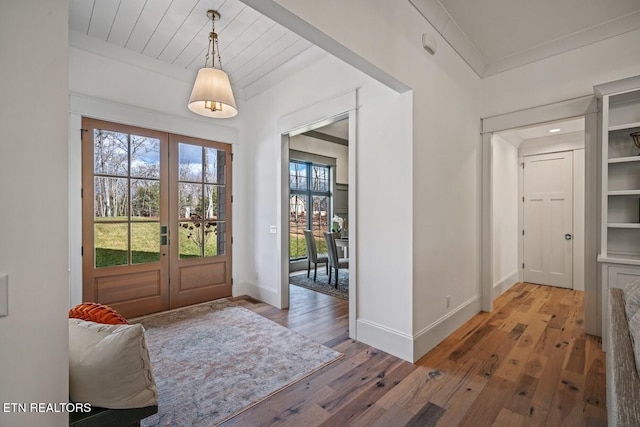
[(528, 363)]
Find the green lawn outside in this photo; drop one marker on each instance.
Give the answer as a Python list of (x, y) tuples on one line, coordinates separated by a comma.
[(111, 243), (298, 246)]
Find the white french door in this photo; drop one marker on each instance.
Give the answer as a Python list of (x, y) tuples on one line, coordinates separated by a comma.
[(548, 219)]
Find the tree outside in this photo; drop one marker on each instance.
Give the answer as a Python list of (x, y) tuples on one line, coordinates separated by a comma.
[(127, 199)]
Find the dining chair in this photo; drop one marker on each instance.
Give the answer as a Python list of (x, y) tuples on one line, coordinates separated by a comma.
[(334, 261), (313, 256)]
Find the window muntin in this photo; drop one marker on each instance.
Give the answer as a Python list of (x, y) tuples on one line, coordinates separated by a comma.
[(309, 206), (201, 198), (126, 177)]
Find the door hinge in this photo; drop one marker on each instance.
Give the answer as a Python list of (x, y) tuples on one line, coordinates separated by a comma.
[(232, 240), (231, 156), (232, 198), (232, 282), (523, 232), (82, 193), (82, 131), (523, 265), (522, 199), (81, 250), (522, 164)]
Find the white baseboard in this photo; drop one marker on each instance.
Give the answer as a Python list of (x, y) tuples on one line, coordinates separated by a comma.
[(502, 285), (433, 334), (386, 339), (399, 344), (269, 296)]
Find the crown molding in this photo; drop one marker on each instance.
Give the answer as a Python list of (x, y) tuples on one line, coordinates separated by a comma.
[(579, 39), (443, 22)]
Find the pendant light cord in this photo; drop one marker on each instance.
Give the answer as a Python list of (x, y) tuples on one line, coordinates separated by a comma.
[(213, 47)]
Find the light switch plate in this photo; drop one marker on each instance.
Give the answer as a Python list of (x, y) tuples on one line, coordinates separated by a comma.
[(273, 229), (4, 295)]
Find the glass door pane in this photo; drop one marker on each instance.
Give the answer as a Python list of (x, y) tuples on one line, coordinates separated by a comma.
[(125, 239), (201, 201), (319, 221), (200, 223), (126, 190), (297, 225)]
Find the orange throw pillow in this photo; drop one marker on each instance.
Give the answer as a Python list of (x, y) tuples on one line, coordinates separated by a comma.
[(98, 313)]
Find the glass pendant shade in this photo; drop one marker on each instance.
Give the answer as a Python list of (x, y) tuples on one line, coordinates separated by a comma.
[(212, 95)]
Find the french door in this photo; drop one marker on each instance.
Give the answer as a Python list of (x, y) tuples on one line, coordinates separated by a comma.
[(156, 218)]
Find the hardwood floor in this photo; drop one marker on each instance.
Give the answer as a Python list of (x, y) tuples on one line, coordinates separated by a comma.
[(528, 363)]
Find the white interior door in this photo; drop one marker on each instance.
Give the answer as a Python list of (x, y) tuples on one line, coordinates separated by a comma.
[(548, 219)]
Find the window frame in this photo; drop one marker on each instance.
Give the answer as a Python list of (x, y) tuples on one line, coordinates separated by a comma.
[(308, 193)]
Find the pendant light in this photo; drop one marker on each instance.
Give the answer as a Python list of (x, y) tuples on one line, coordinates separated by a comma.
[(212, 95)]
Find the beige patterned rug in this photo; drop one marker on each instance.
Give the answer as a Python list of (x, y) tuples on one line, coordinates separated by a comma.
[(214, 360)]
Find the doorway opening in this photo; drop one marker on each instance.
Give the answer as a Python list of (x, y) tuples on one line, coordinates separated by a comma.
[(538, 213), (319, 210), (313, 118)]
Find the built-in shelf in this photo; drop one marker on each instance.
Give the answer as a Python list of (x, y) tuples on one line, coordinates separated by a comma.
[(624, 126), (623, 225), (625, 159), (624, 193), (620, 183), (619, 258), (620, 227)]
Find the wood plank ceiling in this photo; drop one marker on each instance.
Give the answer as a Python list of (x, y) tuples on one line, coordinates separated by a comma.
[(176, 32)]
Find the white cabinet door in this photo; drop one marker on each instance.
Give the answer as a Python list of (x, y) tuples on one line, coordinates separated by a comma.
[(548, 219)]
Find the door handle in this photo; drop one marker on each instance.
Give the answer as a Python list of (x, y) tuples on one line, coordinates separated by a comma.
[(568, 236), (163, 235)]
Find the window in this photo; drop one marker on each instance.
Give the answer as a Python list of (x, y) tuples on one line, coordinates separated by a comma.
[(309, 206), (126, 213), (201, 200)]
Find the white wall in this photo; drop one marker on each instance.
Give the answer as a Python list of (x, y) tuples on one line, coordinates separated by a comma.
[(505, 214), (104, 78), (561, 77), (552, 144), (382, 271), (446, 153), (325, 148), (558, 78), (110, 90), (33, 201), (130, 96)]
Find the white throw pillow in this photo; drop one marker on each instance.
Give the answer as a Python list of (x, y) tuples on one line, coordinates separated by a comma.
[(109, 366)]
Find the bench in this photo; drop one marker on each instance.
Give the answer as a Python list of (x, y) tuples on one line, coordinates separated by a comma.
[(99, 417)]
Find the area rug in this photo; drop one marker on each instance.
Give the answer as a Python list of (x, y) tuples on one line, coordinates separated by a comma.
[(321, 285), (214, 360)]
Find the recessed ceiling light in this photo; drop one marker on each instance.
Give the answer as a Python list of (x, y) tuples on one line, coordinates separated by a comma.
[(554, 130)]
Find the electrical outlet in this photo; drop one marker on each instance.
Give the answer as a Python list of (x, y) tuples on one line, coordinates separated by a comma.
[(273, 229), (448, 301)]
